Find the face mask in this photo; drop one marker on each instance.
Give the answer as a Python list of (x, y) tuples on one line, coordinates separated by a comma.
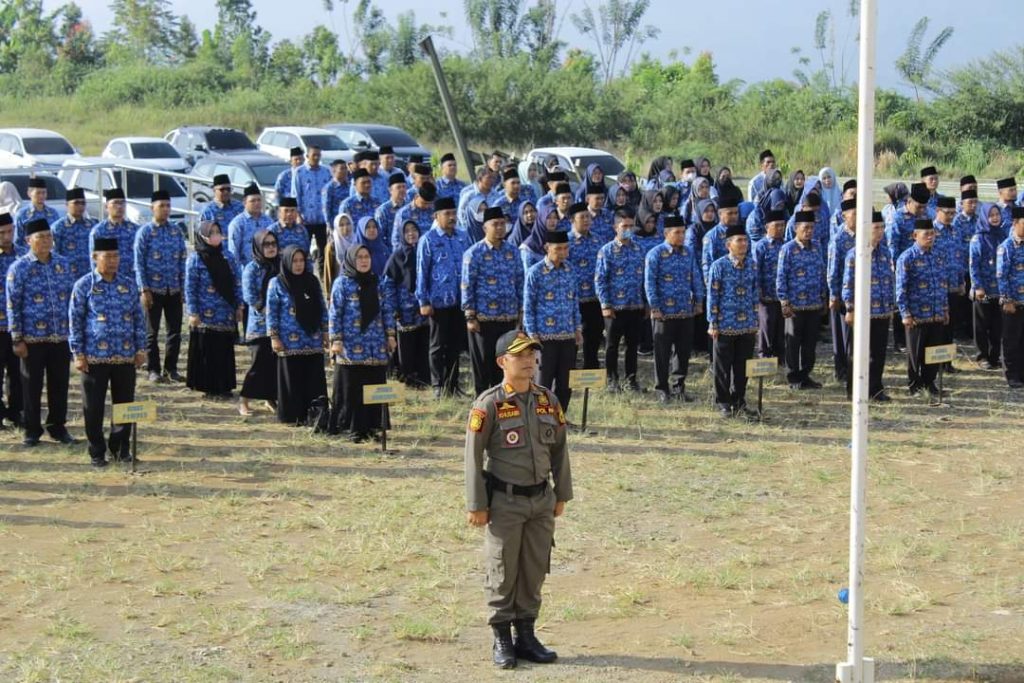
[(627, 234)]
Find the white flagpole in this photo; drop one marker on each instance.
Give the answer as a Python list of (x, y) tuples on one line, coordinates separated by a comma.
[(857, 668)]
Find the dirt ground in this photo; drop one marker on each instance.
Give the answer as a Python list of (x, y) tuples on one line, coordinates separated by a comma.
[(248, 551)]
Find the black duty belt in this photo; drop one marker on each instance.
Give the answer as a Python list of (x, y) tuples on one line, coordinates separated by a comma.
[(530, 491)]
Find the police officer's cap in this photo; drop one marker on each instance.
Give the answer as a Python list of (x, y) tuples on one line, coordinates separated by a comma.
[(160, 196), (38, 225), (37, 182), (6, 219), (514, 342), (113, 193), (104, 244)]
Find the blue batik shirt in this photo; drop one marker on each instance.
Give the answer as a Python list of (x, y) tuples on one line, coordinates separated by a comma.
[(160, 256), (712, 248), (29, 213), (6, 260), (469, 204), (71, 240), (449, 188), (899, 232), (284, 186), (883, 290), (492, 281), (222, 215), (37, 299), (510, 207), (800, 281), (107, 322), (439, 267), (602, 225), (404, 305), (922, 288), (843, 242), (252, 281), (424, 218), (385, 217), (619, 276), (1009, 271), (331, 197), (241, 230), (202, 300), (296, 236), (360, 347), (283, 323), (766, 257), (733, 296), (820, 236), (358, 207), (647, 241), (983, 248), (947, 240), (309, 184), (583, 259), (550, 309), (124, 233), (673, 281)]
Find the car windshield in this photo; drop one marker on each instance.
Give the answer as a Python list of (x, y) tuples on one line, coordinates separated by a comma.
[(228, 138), (154, 150), (47, 146), (327, 143), (609, 164), (392, 138), (54, 187), (266, 175), (140, 185)]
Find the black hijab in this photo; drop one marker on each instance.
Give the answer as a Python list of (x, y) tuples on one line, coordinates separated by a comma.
[(401, 267), (369, 297), (304, 290), (215, 262), (727, 188), (270, 266), (792, 191), (646, 211)]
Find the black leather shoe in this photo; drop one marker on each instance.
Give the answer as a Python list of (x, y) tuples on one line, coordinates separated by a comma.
[(504, 651), (98, 462), (881, 397), (64, 438), (810, 384), (175, 377), (30, 441), (952, 370), (528, 647)]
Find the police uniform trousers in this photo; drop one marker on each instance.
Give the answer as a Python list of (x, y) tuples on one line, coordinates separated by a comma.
[(625, 325), (593, 333), (842, 338), (447, 334), (988, 329), (414, 356), (51, 360), (919, 337), (10, 380), (557, 358), (260, 381), (1013, 345), (730, 353), (121, 379), (517, 546), (211, 361), (801, 343), (301, 379), (348, 413), (318, 231), (878, 348), (673, 342), (771, 330), (486, 372), (168, 307)]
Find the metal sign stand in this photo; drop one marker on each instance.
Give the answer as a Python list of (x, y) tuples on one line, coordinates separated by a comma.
[(586, 401)]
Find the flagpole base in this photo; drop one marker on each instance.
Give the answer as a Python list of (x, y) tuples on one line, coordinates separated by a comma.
[(845, 673)]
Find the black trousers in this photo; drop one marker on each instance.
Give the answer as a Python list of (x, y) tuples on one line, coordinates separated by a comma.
[(10, 390), (625, 324), (673, 342), (771, 327), (878, 348), (899, 332), (318, 231), (593, 333), (447, 332), (701, 339), (349, 414), (51, 360), (801, 342), (1013, 345), (988, 329), (960, 314), (414, 356), (842, 341), (121, 379), (556, 360), (919, 337), (167, 306), (486, 373), (730, 353)]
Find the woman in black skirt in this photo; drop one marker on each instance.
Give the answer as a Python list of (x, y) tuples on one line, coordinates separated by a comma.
[(297, 325), (362, 338), (213, 299), (260, 382)]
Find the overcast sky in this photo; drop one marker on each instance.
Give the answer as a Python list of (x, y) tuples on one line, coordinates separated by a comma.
[(749, 40)]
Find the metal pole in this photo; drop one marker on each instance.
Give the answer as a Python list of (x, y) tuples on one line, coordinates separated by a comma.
[(586, 400), (856, 669), (427, 45)]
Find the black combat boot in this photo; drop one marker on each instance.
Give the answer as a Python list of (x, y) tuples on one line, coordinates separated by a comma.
[(527, 645), (504, 653)]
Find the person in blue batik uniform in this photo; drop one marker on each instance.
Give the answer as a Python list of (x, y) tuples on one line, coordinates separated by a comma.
[(385, 213), (118, 227), (362, 330), (713, 243), (38, 292), (71, 234), (284, 186), (800, 285), (509, 196), (448, 185), (336, 191), (899, 236), (930, 179), (368, 234), (287, 229), (412, 326), (213, 299), (1007, 190), (160, 256), (771, 326), (988, 316), (310, 180), (10, 365), (922, 289), (260, 381), (245, 225), (583, 248), (532, 251), (297, 326), (492, 290), (674, 287), (1010, 278), (844, 239), (438, 281), (880, 309), (948, 241), (108, 342), (618, 279), (360, 202), (601, 218), (420, 210), (36, 209), (472, 199), (222, 209)]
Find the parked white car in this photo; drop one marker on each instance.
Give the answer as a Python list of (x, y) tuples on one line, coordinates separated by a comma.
[(94, 175), (34, 147), (152, 152), (279, 140), (576, 159)]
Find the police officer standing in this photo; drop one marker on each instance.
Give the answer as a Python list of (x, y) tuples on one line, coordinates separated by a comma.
[(108, 341), (518, 480)]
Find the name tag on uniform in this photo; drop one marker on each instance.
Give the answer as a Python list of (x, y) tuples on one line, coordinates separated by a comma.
[(507, 410)]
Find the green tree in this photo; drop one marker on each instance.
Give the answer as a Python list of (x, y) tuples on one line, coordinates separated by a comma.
[(27, 36), (286, 65), (186, 43), (404, 46), (833, 53), (615, 27), (915, 65), (144, 30), (503, 28), (322, 56)]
